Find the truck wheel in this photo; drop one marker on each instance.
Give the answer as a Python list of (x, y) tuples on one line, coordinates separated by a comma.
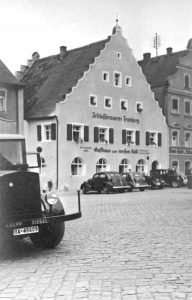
[(175, 184), (49, 238)]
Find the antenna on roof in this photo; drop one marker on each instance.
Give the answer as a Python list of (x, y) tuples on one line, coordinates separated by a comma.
[(156, 42)]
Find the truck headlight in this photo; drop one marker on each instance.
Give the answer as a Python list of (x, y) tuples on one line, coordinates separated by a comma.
[(51, 198)]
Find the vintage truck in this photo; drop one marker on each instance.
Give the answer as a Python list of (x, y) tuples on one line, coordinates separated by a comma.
[(24, 209)]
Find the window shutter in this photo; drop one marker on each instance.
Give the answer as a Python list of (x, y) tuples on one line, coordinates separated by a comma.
[(159, 139), (124, 136), (137, 140), (111, 136), (147, 138), (96, 134), (86, 133), (39, 137), (69, 132), (53, 131)]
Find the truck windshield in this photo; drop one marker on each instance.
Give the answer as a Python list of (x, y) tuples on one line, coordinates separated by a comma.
[(11, 154)]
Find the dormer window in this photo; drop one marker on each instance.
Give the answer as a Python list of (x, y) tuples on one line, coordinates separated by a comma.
[(139, 107), (186, 81), (105, 76), (108, 102), (92, 100)]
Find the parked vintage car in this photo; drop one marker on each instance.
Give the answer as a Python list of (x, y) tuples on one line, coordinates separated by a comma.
[(105, 182), (169, 176), (154, 182), (135, 180)]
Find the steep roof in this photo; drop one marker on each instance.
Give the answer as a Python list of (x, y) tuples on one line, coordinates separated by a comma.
[(6, 76), (157, 69), (50, 79)]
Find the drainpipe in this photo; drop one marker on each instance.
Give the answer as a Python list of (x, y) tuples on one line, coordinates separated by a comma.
[(57, 152)]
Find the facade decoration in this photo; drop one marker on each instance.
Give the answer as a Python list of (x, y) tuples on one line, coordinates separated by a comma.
[(91, 109)]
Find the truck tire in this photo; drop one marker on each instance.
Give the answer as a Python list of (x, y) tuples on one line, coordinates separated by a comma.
[(175, 184), (49, 238)]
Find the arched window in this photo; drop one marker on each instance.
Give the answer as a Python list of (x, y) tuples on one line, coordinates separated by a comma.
[(102, 165), (77, 166), (124, 166), (140, 167)]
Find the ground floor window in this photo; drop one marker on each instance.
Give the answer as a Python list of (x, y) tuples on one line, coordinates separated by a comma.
[(124, 166), (187, 167), (140, 167), (175, 165), (77, 166), (102, 165)]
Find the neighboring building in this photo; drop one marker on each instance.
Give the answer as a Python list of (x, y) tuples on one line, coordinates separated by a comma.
[(170, 77), (11, 102), (91, 109)]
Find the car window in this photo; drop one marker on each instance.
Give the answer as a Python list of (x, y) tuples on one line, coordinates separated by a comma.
[(102, 176), (96, 176)]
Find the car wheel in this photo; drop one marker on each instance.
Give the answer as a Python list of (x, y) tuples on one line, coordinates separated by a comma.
[(130, 189), (142, 189), (105, 190), (175, 184), (49, 237)]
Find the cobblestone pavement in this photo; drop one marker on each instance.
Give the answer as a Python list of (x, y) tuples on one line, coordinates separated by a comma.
[(129, 246)]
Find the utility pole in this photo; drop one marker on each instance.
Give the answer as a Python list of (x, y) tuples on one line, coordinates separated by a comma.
[(156, 42)]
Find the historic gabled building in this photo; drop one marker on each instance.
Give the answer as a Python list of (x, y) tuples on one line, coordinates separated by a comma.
[(91, 109), (170, 77), (11, 102)]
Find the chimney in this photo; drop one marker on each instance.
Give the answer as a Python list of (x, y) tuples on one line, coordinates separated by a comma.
[(30, 62), (146, 56), (63, 51), (169, 50), (18, 75), (23, 68), (35, 56)]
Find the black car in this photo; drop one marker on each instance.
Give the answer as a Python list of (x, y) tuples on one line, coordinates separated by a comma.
[(135, 180), (170, 177), (154, 182), (105, 182)]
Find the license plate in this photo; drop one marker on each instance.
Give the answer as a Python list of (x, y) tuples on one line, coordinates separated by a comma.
[(25, 230)]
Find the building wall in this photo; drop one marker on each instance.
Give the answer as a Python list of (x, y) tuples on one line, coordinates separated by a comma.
[(76, 109), (8, 117), (183, 121)]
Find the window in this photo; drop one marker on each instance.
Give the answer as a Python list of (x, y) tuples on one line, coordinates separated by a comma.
[(153, 138), (139, 107), (103, 135), (124, 104), (187, 139), (105, 76), (92, 100), (187, 167), (46, 132), (130, 137), (140, 167), (77, 133), (124, 166), (187, 107), (77, 166), (117, 79), (102, 165), (175, 105), (3, 100), (186, 81), (108, 103), (119, 55), (174, 138), (175, 165), (128, 81)]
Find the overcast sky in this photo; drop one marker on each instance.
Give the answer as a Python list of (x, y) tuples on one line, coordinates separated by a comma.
[(45, 25)]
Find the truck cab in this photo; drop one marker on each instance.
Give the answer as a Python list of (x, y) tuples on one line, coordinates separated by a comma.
[(24, 209)]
